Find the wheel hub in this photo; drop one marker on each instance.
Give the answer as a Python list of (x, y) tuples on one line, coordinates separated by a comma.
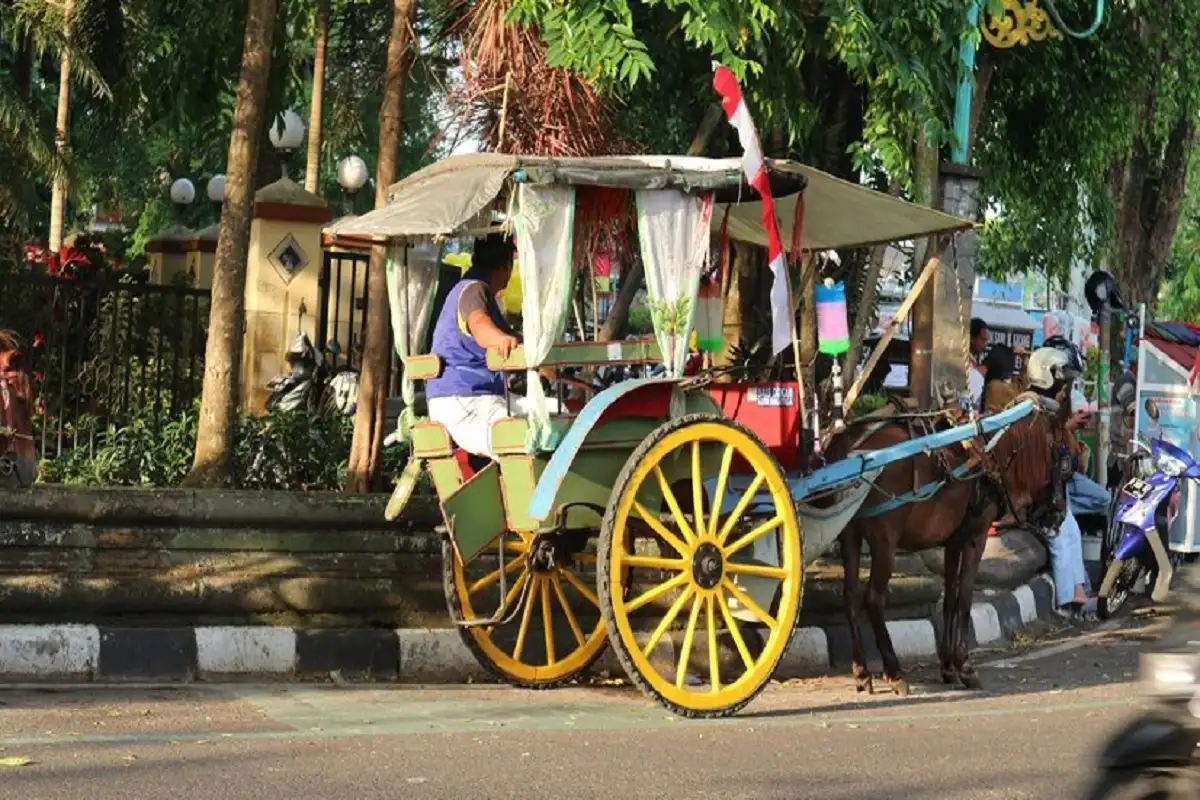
[(708, 565)]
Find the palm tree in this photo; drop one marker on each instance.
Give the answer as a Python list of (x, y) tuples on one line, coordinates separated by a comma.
[(33, 32)]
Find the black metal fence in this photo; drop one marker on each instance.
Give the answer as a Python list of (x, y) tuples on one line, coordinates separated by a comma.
[(105, 350), (342, 314)]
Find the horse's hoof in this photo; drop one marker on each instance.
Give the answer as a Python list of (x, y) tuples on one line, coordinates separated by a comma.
[(864, 685), (949, 676), (899, 686), (970, 681)]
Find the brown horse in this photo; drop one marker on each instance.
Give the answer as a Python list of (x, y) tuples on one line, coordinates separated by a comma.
[(18, 457), (1017, 475)]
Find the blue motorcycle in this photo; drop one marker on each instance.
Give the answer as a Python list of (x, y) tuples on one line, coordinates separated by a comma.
[(1137, 541)]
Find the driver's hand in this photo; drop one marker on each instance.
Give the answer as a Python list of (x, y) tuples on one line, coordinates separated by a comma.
[(506, 345)]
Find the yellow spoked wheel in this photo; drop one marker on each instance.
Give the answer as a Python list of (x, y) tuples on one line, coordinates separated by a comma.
[(555, 634), (701, 596)]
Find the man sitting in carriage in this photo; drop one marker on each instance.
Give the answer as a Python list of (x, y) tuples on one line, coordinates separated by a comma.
[(468, 396)]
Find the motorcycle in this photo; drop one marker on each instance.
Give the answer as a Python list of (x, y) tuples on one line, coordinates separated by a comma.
[(1137, 542), (310, 385), (1156, 754)]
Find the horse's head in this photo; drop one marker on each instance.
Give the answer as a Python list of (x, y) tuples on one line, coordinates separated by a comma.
[(1034, 461)]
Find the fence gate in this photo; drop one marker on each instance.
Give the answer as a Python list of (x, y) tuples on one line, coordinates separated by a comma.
[(342, 312)]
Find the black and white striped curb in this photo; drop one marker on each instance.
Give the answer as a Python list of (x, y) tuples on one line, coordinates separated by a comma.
[(103, 653)]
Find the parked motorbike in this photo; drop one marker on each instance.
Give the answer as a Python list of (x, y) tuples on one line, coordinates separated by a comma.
[(1137, 542), (1156, 755), (312, 384)]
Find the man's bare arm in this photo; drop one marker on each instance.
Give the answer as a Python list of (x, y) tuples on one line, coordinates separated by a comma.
[(487, 334)]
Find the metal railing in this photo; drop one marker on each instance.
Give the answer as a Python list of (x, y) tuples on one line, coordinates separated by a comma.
[(105, 350)]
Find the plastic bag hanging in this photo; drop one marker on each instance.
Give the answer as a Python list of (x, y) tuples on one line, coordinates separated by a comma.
[(710, 316), (833, 330)]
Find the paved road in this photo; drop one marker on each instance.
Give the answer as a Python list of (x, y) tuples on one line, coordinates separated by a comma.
[(1029, 735)]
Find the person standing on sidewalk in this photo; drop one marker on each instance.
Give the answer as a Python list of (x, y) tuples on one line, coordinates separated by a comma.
[(18, 456)]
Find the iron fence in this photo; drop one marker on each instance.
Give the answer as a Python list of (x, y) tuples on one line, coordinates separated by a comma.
[(105, 350)]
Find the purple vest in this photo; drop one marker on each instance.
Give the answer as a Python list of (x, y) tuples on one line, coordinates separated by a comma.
[(464, 362)]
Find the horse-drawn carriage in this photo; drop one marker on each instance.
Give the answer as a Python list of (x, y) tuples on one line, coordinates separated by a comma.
[(670, 517)]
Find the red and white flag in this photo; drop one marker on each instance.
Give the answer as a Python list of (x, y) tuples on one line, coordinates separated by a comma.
[(755, 167)]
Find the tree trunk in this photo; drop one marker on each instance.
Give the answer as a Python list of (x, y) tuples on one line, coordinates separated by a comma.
[(58, 192), (618, 313), (367, 446), (712, 120), (312, 170), (213, 464)]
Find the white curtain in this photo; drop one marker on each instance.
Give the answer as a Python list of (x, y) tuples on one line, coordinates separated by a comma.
[(412, 279), (673, 230), (544, 223)]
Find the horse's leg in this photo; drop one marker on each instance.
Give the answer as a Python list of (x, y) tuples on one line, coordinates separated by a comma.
[(883, 561), (851, 599), (946, 641), (974, 542)]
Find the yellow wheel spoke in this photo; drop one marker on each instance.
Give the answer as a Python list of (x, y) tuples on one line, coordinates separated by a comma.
[(547, 622), (750, 605), (525, 615), (658, 591), (580, 587), (719, 496), (740, 508), (673, 504), (689, 635), (757, 570), (734, 633), (494, 575), (754, 535), (657, 526), (714, 667), (654, 562), (697, 489), (666, 621), (562, 599)]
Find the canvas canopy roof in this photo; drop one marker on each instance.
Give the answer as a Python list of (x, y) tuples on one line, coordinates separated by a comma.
[(448, 197)]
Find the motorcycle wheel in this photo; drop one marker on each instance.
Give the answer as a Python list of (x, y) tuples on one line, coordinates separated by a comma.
[(1118, 576), (1151, 784), (1124, 576)]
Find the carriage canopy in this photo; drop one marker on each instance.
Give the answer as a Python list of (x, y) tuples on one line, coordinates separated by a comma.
[(446, 197)]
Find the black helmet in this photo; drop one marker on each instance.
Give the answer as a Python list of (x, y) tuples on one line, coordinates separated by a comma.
[(1074, 359)]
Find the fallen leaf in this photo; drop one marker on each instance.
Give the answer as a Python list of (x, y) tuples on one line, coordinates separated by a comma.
[(15, 761)]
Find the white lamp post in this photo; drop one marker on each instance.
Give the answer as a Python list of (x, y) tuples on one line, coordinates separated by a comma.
[(351, 176), (287, 134), (183, 193)]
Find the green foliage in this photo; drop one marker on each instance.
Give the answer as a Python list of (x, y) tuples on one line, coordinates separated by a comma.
[(283, 450), (1180, 299), (866, 403)]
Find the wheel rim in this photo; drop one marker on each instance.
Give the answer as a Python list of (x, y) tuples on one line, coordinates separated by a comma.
[(704, 572), (550, 639)]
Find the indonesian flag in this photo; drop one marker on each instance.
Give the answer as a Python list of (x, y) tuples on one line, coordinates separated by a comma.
[(755, 167)]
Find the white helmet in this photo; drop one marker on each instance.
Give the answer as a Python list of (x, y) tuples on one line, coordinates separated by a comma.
[(1047, 366)]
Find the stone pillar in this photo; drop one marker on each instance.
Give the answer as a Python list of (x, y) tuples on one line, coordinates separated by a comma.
[(283, 272), (961, 193), (201, 255), (166, 254)]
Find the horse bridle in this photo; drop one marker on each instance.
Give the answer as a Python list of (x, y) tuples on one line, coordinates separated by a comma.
[(1061, 470)]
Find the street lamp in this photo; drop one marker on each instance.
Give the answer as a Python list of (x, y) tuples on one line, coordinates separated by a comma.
[(351, 176), (182, 193), (216, 192), (287, 134)]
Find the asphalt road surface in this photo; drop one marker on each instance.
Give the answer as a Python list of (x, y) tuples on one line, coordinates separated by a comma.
[(1032, 733)]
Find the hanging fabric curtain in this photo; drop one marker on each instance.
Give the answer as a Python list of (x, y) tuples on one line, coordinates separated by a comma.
[(673, 231), (544, 223), (412, 280)]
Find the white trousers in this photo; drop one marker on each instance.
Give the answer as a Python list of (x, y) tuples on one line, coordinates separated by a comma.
[(469, 419)]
